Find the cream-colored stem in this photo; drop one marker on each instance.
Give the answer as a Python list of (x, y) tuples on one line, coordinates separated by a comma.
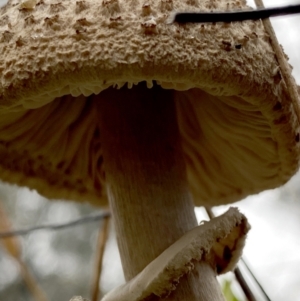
[(146, 183)]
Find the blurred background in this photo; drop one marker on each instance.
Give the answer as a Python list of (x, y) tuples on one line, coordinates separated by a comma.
[(62, 262)]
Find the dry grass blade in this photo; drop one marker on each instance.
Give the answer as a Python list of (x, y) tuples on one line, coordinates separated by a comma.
[(283, 63), (11, 244), (102, 238), (13, 247), (34, 288)]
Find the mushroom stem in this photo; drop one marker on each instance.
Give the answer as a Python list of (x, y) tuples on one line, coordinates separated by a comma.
[(146, 183)]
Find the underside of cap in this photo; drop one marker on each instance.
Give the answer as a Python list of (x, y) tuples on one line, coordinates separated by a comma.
[(240, 132)]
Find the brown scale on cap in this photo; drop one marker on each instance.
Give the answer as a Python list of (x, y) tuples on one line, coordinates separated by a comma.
[(166, 5), (81, 6), (53, 22), (29, 20), (111, 7), (7, 36), (56, 8), (149, 27), (146, 9)]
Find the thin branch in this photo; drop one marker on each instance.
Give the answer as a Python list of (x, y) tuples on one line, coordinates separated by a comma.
[(234, 16), (13, 247), (102, 239), (82, 220)]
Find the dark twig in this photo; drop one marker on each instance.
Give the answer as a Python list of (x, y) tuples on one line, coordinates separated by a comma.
[(234, 16), (255, 279), (244, 285)]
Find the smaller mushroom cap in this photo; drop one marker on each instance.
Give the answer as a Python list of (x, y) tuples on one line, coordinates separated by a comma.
[(219, 242)]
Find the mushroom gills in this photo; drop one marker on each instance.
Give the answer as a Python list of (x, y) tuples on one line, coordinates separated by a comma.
[(227, 142)]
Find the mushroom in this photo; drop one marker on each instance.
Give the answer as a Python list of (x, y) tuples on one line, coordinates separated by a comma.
[(103, 100)]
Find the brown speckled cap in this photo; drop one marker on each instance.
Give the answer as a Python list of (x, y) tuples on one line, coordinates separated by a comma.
[(239, 127)]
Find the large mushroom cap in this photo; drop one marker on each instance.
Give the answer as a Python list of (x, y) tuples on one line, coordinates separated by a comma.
[(240, 132)]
